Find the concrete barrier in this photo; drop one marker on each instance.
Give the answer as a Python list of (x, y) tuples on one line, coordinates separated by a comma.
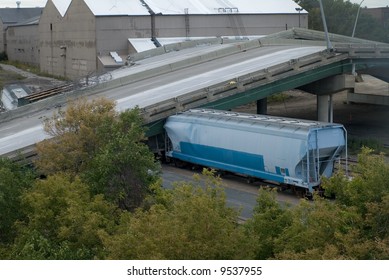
[(174, 47), (61, 99), (190, 44), (147, 54)]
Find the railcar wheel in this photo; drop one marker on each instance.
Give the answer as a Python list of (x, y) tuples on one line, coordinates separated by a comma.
[(179, 163), (250, 180), (308, 195)]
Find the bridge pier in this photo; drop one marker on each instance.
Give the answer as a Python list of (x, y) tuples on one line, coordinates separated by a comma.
[(262, 106), (325, 108), (324, 89)]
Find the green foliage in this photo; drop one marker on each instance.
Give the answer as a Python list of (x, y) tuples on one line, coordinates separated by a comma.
[(78, 133), (267, 224), (316, 231), (98, 165), (278, 98), (355, 145), (104, 148), (6, 77), (30, 68), (353, 226), (124, 168), (63, 221), (340, 17), (370, 184), (14, 180), (190, 222)]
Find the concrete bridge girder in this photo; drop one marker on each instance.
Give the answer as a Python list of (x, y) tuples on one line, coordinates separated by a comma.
[(331, 85), (324, 89)]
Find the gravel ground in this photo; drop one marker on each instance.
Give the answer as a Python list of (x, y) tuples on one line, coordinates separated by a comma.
[(34, 82)]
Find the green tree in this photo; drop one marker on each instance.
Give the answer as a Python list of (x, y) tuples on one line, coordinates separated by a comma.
[(77, 135), (367, 195), (63, 221), (318, 231), (14, 180), (340, 18), (104, 148), (370, 182), (124, 167), (267, 224), (353, 226), (188, 222)]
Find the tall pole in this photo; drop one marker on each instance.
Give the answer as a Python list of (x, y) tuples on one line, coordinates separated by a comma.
[(329, 45), (299, 10), (356, 19)]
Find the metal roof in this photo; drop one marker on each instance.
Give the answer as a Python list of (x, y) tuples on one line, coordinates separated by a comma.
[(30, 21), (167, 7), (256, 120), (11, 16), (117, 7), (179, 7)]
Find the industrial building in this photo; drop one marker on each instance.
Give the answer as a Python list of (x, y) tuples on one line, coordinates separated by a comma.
[(23, 41), (17, 16), (78, 38)]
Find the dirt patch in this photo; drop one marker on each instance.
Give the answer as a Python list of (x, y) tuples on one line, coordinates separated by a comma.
[(12, 75)]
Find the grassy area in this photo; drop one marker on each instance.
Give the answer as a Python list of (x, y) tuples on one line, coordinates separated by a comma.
[(278, 98), (355, 145), (7, 77), (31, 68)]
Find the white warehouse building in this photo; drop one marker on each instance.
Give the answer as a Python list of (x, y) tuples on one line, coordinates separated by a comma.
[(84, 37)]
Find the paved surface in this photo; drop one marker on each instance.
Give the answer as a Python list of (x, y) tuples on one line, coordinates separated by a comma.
[(23, 132)]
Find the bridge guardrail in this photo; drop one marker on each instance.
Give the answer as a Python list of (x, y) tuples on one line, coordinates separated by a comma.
[(363, 51), (238, 85)]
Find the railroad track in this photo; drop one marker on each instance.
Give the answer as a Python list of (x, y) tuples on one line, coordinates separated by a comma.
[(346, 165), (46, 93)]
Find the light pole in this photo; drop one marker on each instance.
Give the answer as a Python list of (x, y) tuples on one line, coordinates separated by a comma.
[(329, 45), (299, 10), (356, 19)]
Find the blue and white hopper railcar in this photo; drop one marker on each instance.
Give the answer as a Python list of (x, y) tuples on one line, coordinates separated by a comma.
[(290, 151)]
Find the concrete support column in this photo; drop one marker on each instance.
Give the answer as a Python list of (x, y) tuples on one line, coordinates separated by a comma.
[(331, 108), (262, 106), (324, 108)]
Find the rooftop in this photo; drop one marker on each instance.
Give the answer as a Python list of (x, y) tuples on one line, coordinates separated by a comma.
[(167, 7), (17, 15), (179, 7)]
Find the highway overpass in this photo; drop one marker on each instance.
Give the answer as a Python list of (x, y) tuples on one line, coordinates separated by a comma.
[(218, 74)]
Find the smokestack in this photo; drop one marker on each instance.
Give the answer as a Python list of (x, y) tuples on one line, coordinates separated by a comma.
[(18, 3)]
